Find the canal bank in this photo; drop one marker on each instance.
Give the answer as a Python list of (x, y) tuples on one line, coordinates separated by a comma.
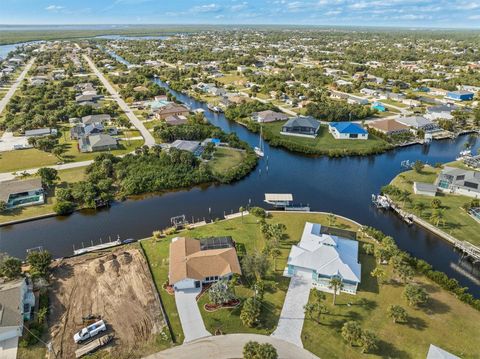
[(343, 186)]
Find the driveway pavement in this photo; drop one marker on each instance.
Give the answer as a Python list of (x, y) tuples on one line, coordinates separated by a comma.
[(290, 325), (230, 346), (190, 317), (8, 141)]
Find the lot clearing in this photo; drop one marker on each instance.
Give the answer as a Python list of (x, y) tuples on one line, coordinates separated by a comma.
[(118, 287)]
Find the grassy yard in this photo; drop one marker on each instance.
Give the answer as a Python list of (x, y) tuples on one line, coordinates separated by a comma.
[(457, 221), (427, 325), (324, 143), (247, 234), (225, 159), (70, 175), (230, 79), (11, 161)]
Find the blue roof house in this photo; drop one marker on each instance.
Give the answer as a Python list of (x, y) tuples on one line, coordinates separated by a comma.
[(380, 107), (347, 131), (459, 95)]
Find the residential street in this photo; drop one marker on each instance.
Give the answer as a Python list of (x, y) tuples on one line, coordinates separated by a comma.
[(6, 176), (290, 325), (190, 317), (230, 346), (15, 85), (149, 140)]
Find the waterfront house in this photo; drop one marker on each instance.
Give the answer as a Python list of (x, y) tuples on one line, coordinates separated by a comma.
[(440, 112), (459, 181), (87, 98), (389, 127), (194, 147), (22, 193), (268, 116), (97, 142), (459, 95), (418, 123), (193, 262), (301, 126), (169, 110), (322, 256), (176, 120), (347, 130), (16, 305)]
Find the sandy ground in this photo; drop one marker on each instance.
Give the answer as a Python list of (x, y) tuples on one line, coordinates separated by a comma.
[(116, 286)]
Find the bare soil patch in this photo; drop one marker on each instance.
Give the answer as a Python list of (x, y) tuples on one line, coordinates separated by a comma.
[(116, 286)]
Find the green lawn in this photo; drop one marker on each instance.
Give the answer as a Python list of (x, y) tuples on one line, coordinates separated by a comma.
[(444, 314), (225, 159), (457, 221), (248, 235), (70, 175), (444, 321), (18, 160), (324, 143)]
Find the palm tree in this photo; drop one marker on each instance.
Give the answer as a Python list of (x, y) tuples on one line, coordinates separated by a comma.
[(420, 207), (336, 284), (404, 197), (437, 216)]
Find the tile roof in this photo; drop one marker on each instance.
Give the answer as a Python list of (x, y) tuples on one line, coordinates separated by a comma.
[(187, 260)]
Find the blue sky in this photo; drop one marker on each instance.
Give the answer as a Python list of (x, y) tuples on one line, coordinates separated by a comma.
[(414, 13)]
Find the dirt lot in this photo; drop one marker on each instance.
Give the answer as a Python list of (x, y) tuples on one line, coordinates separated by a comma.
[(116, 286)]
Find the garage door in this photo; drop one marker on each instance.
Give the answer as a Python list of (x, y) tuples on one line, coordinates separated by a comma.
[(303, 272)]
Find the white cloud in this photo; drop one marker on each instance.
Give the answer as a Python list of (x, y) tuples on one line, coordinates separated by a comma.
[(206, 8), (54, 8)]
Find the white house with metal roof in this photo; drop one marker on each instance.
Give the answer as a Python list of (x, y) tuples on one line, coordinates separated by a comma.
[(322, 256)]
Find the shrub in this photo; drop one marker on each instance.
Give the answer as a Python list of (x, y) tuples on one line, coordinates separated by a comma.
[(250, 314), (415, 295), (258, 212)]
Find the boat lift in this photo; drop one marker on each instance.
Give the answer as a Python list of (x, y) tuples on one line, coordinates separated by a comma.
[(284, 200)]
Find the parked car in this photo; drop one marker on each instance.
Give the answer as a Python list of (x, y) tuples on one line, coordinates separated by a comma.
[(90, 331)]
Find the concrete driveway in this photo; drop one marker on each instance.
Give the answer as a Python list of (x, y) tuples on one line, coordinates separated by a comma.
[(290, 325), (230, 346), (189, 313)]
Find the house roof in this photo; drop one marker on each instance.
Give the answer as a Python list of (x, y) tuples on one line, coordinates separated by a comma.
[(95, 118), (10, 301), (176, 120), (326, 254), (270, 116), (388, 125), (435, 352), (38, 132), (349, 127), (18, 186), (441, 108), (302, 122), (187, 260), (414, 121), (185, 145), (172, 108), (100, 140), (461, 177)]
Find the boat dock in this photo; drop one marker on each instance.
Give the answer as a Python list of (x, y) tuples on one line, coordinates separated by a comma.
[(97, 247), (468, 250), (284, 200)]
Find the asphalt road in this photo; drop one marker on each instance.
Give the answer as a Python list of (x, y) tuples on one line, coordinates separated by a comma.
[(230, 346), (149, 140), (15, 85)]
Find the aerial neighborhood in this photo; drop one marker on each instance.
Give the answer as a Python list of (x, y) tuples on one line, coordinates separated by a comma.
[(148, 177)]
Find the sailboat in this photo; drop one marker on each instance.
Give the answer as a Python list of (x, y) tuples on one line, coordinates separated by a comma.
[(259, 150)]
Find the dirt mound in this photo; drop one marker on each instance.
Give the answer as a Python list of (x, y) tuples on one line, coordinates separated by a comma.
[(125, 258)]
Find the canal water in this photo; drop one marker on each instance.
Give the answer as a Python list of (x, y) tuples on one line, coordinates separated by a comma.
[(342, 186)]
